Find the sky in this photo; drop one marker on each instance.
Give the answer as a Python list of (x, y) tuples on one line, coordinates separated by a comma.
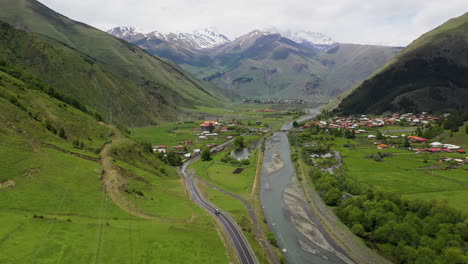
[(381, 22)]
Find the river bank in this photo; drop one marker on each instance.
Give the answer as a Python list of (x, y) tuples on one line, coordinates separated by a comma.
[(305, 227)]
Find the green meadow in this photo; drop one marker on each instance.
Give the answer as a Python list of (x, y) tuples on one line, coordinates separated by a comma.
[(414, 175)]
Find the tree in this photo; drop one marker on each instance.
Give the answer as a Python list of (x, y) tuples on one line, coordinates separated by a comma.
[(295, 124), (350, 134), (62, 133), (466, 129), (333, 196), (174, 159), (358, 229), (453, 255), (379, 135), (206, 154), (239, 142), (211, 127), (406, 143)]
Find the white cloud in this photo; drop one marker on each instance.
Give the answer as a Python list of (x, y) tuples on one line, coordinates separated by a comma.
[(388, 22)]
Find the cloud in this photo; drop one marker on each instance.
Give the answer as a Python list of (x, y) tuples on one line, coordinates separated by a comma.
[(386, 22)]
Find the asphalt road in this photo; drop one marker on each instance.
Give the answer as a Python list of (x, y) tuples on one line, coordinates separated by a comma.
[(244, 252)]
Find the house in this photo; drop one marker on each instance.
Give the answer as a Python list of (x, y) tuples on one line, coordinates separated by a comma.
[(452, 147), (383, 146), (187, 155), (179, 148), (417, 139), (196, 152), (209, 126), (160, 148), (188, 142), (436, 144), (433, 150), (461, 151), (371, 137), (202, 137)]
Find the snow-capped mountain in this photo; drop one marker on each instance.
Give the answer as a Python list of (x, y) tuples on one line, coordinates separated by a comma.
[(305, 37), (198, 39), (128, 33)]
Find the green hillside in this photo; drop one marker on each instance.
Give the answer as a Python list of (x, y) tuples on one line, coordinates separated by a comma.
[(104, 73), (58, 204), (429, 75)]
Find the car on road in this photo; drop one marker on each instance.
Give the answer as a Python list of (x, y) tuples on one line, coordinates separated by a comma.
[(217, 211)]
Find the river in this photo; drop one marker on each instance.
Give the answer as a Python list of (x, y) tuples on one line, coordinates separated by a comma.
[(298, 231)]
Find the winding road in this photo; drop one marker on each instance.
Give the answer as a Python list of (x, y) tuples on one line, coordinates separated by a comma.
[(243, 250)]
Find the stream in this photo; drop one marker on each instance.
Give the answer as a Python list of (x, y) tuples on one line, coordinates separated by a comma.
[(300, 234)]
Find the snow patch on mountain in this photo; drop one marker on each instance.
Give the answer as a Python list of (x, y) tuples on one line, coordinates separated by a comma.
[(305, 37), (129, 33), (198, 39)]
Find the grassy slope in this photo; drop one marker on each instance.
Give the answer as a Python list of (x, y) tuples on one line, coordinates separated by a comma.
[(101, 71), (428, 75), (75, 220)]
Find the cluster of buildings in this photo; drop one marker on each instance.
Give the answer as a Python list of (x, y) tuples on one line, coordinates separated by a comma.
[(365, 121), (271, 101), (206, 131)]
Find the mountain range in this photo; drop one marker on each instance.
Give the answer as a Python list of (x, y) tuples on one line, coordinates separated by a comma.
[(429, 75), (273, 63)]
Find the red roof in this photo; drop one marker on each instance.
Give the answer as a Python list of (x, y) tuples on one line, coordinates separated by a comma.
[(418, 138), (209, 123), (460, 151), (433, 150)]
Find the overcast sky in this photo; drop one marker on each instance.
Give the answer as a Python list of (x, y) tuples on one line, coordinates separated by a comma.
[(385, 22)]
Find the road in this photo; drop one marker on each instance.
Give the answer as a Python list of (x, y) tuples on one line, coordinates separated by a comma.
[(243, 250)]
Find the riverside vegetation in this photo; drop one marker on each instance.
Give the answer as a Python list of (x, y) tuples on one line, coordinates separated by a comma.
[(404, 228)]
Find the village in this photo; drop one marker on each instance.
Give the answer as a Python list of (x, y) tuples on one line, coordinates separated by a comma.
[(393, 131), (208, 134)]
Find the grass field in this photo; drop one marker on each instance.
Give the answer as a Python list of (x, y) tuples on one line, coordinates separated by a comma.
[(416, 176), (221, 175), (55, 210), (76, 223)]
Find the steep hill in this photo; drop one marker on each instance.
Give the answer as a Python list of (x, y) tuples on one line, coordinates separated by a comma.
[(106, 74), (280, 64), (429, 75), (58, 201)]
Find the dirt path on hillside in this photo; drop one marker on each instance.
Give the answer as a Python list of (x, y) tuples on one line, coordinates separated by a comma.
[(114, 183)]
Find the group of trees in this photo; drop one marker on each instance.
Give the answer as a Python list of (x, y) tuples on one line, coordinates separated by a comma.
[(407, 231)]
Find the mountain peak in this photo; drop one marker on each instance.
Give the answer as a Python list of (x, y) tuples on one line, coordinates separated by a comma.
[(306, 37), (130, 33)]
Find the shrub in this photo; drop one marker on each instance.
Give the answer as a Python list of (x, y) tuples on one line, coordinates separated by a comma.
[(271, 237), (206, 154)]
